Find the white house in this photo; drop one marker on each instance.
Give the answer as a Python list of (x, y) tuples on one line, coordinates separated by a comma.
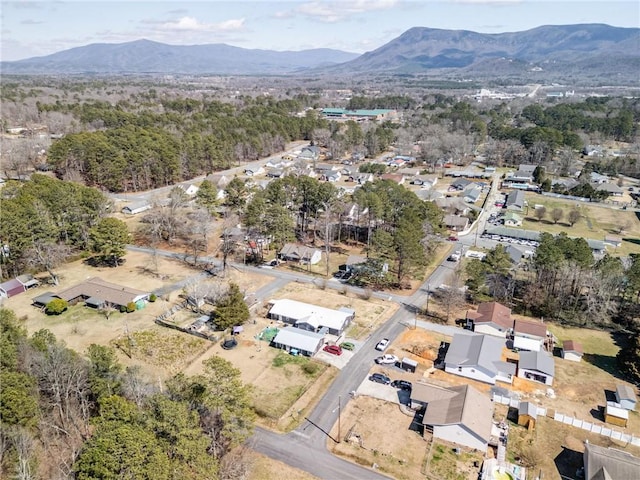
[(305, 342), (572, 350), (311, 317), (251, 171), (536, 366), (529, 335), (136, 208), (190, 189), (478, 357), (300, 253), (459, 414), (491, 318), (626, 397)]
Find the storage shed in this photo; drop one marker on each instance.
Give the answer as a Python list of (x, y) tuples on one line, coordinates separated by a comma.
[(409, 365), (616, 415), (626, 397), (11, 288), (527, 415)]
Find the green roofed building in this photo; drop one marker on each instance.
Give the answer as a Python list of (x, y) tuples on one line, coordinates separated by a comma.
[(379, 114)]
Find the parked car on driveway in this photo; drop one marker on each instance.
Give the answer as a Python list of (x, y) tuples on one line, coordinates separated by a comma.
[(387, 359), (380, 378), (402, 385), (333, 349), (382, 344), (347, 346)]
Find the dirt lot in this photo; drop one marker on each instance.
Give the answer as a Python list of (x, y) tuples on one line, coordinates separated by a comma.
[(265, 468)]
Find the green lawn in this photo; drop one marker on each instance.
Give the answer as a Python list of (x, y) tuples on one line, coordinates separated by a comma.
[(596, 222)]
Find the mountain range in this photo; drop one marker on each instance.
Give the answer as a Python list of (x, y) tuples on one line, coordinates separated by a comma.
[(608, 50)]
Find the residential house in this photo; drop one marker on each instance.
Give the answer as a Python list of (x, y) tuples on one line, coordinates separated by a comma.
[(460, 414), (393, 177), (136, 208), (515, 254), (354, 262), (42, 300), (597, 178), (251, 171), (606, 463), (572, 350), (97, 293), (300, 253), (361, 178), (610, 188), (613, 240), (537, 366), (190, 189), (472, 193), (218, 180), (353, 214), (512, 219), (428, 181), (626, 397), (298, 340), (310, 152), (460, 184), (311, 317), (515, 200), (28, 281), (454, 205), (564, 184), (275, 172), (11, 288), (528, 335), (491, 318), (478, 357), (456, 222), (524, 174)]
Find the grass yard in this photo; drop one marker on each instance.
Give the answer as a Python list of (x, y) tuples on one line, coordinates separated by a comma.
[(265, 468), (445, 463), (596, 222)]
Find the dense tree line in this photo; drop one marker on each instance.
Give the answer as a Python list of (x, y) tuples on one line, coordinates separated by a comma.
[(44, 220), (63, 415)]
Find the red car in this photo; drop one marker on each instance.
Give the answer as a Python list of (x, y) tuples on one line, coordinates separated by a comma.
[(453, 238), (333, 349)]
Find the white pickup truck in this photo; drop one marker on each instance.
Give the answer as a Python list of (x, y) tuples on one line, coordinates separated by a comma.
[(455, 256)]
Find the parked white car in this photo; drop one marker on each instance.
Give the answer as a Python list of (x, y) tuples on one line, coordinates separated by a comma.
[(387, 359), (382, 344)]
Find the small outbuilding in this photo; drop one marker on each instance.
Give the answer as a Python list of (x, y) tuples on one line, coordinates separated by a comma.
[(409, 365), (11, 288), (42, 300), (136, 208), (28, 281), (616, 415), (527, 415), (626, 397), (572, 350)]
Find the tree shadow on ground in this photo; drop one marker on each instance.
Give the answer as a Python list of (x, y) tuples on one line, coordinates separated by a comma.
[(609, 363), (568, 462)]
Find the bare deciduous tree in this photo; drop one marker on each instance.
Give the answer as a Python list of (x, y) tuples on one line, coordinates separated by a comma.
[(557, 214)]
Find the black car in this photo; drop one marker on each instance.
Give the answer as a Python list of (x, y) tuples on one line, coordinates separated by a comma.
[(402, 385), (229, 343), (380, 378)]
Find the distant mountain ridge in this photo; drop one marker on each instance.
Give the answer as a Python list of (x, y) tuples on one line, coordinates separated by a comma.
[(586, 49), (146, 56), (421, 49)]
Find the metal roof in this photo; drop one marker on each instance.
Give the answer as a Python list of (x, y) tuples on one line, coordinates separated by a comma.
[(298, 338), (540, 361)]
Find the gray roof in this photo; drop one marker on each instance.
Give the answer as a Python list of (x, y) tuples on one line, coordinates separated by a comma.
[(625, 392), (526, 168), (528, 408), (515, 199), (476, 350), (298, 338), (44, 298), (540, 361), (609, 463)]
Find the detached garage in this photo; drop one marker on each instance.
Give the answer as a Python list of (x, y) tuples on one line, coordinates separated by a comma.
[(11, 287)]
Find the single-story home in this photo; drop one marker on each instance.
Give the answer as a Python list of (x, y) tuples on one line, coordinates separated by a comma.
[(626, 397), (572, 350), (136, 208), (459, 414), (491, 318), (300, 253), (536, 366), (610, 188), (305, 342), (472, 193), (528, 335), (456, 222), (311, 317), (251, 171), (393, 177), (515, 200), (190, 189), (460, 184), (11, 288), (478, 357), (602, 463), (613, 240), (97, 293), (512, 219), (354, 262)]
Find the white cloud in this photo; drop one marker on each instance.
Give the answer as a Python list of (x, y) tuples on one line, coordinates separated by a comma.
[(340, 10), (191, 24)]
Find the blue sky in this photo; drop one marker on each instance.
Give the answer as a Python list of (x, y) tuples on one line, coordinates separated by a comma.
[(40, 28)]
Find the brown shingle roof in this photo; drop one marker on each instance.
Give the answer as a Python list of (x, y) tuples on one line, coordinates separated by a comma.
[(492, 312), (98, 288), (572, 346), (538, 329)]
